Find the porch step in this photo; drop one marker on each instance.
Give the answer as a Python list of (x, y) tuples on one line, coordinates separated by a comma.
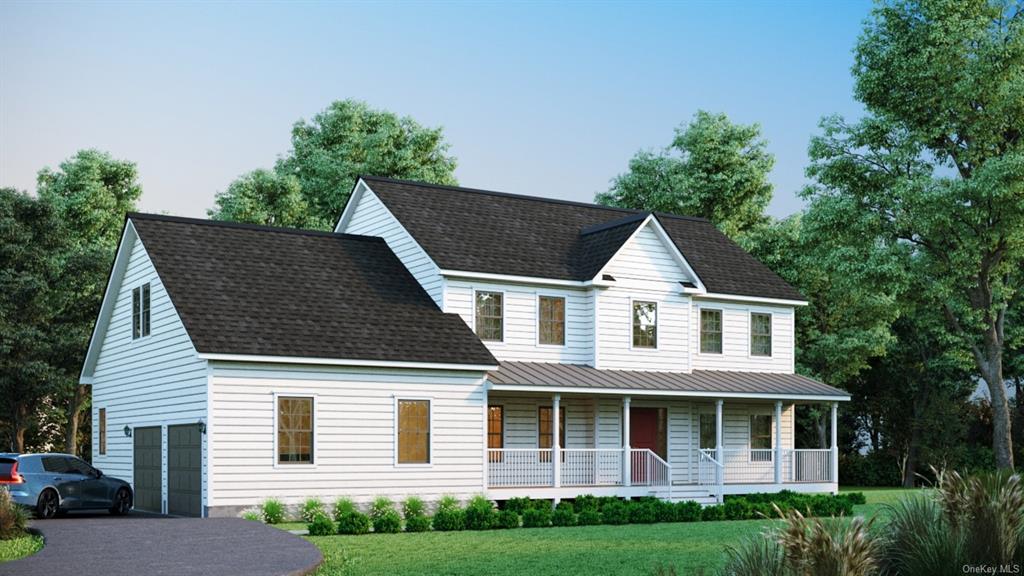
[(702, 497)]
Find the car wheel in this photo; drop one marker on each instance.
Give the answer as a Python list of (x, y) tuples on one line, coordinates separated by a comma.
[(122, 502), (48, 505)]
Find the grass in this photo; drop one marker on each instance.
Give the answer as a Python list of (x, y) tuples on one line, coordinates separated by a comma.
[(20, 547), (632, 550), (877, 498)]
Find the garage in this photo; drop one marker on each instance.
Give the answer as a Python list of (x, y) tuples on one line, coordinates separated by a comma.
[(184, 470), (146, 469)]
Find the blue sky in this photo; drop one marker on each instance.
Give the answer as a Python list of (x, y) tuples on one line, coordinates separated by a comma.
[(535, 98)]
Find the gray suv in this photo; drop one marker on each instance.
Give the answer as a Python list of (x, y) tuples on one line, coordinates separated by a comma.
[(55, 483)]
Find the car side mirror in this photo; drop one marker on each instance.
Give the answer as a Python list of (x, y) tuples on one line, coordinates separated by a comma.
[(97, 473)]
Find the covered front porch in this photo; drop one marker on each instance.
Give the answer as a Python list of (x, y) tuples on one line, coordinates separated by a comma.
[(643, 442)]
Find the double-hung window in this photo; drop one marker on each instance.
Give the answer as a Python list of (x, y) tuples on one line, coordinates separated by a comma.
[(140, 311), (708, 437), (760, 334), (645, 324), (489, 316), (710, 331), (551, 320), (294, 430), (495, 431), (413, 432), (760, 437)]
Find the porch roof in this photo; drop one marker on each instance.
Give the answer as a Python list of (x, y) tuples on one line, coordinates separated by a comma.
[(704, 383)]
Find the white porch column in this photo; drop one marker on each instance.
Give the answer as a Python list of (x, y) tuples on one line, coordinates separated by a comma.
[(835, 443), (778, 442), (718, 442), (627, 467), (556, 453), (487, 455)]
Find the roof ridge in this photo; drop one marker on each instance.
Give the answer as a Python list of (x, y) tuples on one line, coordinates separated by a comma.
[(246, 226), (503, 194), (594, 228)]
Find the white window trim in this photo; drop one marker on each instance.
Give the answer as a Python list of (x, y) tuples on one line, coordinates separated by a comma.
[(131, 315), (430, 441), (504, 316), (771, 435), (657, 324), (316, 418), (750, 334), (700, 329), (565, 319)]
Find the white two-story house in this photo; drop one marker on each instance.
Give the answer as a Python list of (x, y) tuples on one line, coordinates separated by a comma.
[(447, 341)]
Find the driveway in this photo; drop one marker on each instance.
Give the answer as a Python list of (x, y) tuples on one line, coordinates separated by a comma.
[(145, 544)]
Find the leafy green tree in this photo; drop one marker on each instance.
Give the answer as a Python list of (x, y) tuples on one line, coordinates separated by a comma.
[(90, 194), (713, 168), (938, 163), (350, 139), (267, 198)]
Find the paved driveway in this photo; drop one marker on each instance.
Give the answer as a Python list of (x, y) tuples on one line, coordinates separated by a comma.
[(143, 544)]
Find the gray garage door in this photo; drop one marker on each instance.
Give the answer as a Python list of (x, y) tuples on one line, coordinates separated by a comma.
[(147, 469), (184, 470)]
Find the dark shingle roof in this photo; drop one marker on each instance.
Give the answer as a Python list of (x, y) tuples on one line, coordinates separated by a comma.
[(481, 231), (699, 381), (242, 289)]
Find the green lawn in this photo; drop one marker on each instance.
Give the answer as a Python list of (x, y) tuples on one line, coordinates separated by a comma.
[(19, 547), (691, 548)]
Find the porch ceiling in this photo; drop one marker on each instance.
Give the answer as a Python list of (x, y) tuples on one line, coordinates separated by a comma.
[(540, 375)]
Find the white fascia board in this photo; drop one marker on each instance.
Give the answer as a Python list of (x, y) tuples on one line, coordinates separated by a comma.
[(343, 362), (99, 330), (515, 279), (652, 221), (350, 206), (758, 299), (673, 393)]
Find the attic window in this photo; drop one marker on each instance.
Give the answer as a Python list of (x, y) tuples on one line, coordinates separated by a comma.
[(140, 312), (608, 277)]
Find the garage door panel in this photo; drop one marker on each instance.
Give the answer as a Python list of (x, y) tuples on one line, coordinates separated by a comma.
[(184, 470), (147, 481)]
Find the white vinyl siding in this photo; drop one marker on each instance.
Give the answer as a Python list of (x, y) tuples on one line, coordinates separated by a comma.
[(153, 381), (645, 260), (372, 218), (736, 353), (520, 320), (355, 433)]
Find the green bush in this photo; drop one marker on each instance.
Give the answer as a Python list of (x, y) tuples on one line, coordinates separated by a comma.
[(666, 511), (449, 516), (871, 469), (738, 509), (384, 517), (312, 508), (643, 512), (586, 502), (354, 523), (518, 505), (854, 497), (616, 512), (12, 517), (254, 514), (564, 515), (603, 501), (415, 513), (343, 507), (712, 513), (588, 518), (273, 511), (537, 518), (507, 519), (480, 514), (321, 525), (688, 511)]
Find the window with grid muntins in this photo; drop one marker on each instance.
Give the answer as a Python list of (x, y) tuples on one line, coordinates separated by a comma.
[(645, 325), (140, 311), (711, 331), (760, 334), (552, 320), (489, 321), (414, 431), (294, 430), (495, 431), (708, 439), (760, 437)]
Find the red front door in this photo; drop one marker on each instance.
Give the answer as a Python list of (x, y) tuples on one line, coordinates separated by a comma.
[(646, 430)]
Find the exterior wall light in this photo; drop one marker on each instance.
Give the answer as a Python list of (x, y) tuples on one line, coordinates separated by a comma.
[(127, 431)]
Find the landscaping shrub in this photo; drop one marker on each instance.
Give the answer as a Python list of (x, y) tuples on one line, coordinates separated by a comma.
[(384, 517), (537, 518), (321, 525), (603, 501), (507, 519), (665, 511), (12, 517), (688, 511), (712, 513), (586, 502), (480, 514), (273, 511), (518, 505), (253, 514), (738, 509), (589, 518), (354, 523), (415, 513), (616, 512), (564, 515), (343, 507), (312, 508), (855, 497), (643, 512), (449, 516)]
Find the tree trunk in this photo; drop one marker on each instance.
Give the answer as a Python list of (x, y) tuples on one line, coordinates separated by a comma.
[(910, 463), (822, 427), (1002, 441), (74, 417), (20, 427)]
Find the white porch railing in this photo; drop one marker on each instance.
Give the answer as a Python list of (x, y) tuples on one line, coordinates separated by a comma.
[(526, 467), (591, 467), (519, 467), (807, 465), (709, 472), (648, 469), (757, 466)]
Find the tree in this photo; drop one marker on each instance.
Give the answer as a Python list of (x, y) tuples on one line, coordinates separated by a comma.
[(350, 139), (267, 198), (713, 168), (90, 194), (938, 162)]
